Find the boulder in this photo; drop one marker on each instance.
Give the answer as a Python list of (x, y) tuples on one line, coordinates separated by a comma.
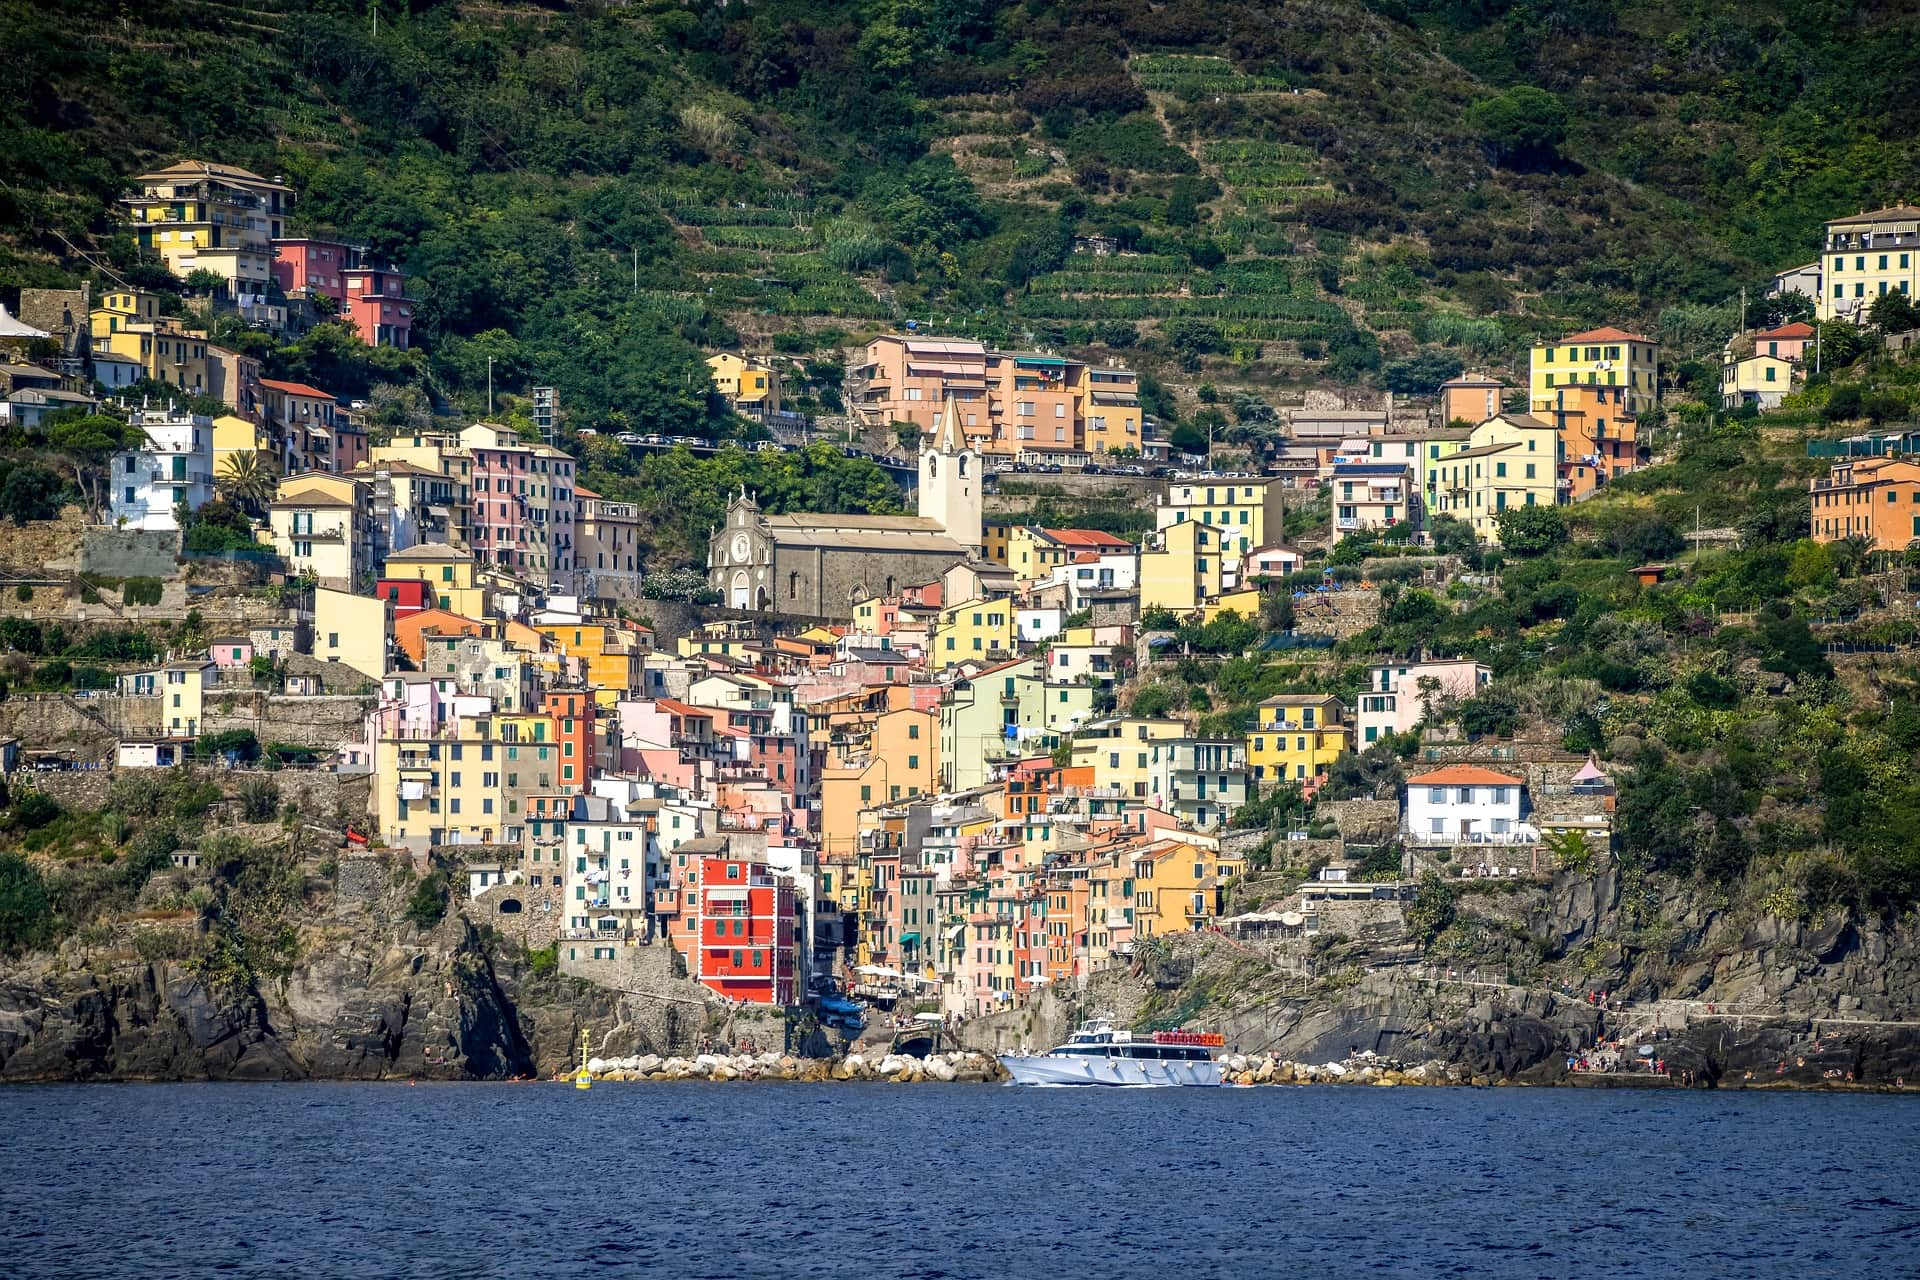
[(940, 1069)]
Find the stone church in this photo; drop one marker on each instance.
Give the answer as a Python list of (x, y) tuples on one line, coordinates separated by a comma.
[(819, 565)]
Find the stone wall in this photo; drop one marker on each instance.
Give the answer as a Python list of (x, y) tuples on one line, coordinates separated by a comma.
[(661, 1013), (325, 721), (532, 915), (42, 548), (316, 793), (89, 725), (129, 553)]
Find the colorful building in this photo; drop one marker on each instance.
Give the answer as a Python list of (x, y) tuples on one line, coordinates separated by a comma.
[(1297, 735), (1867, 257), (749, 388), (1873, 498), (1605, 357), (220, 218), (746, 929)]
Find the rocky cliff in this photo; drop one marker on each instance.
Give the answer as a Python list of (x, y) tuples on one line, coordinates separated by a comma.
[(1524, 976), (327, 986)]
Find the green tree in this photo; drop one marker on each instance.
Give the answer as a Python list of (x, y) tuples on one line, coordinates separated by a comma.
[(1531, 531), (247, 480), (87, 442), (1524, 125)]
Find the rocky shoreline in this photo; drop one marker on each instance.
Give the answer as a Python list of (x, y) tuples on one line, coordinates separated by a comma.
[(1244, 1070)]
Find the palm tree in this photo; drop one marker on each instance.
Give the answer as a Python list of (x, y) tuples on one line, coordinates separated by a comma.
[(247, 480)]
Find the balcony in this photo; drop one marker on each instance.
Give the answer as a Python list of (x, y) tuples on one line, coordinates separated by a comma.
[(1453, 839)]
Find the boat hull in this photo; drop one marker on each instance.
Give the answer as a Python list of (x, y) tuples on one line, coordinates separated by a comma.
[(1134, 1073)]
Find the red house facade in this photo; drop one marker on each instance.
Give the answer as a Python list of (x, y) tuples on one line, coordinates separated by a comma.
[(746, 932), (371, 296)]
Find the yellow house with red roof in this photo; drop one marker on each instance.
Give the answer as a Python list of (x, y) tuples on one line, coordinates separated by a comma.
[(1605, 357)]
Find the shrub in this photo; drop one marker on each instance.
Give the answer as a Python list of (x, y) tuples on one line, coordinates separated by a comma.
[(26, 910), (427, 906), (259, 800)]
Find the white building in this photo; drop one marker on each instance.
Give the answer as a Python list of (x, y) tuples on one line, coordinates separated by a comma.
[(1465, 804), (1394, 699), (1096, 571), (1032, 626), (1270, 561), (173, 465)]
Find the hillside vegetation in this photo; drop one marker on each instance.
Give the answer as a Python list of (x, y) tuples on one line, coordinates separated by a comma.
[(589, 193)]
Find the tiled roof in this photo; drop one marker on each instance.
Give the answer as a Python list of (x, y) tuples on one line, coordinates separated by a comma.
[(296, 389), (1608, 334), (1798, 329), (1465, 775)]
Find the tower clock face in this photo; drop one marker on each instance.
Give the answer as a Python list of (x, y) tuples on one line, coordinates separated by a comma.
[(742, 545)]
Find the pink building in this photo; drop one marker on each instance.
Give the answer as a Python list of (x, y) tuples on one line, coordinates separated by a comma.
[(370, 296), (1788, 342), (378, 305), (907, 379), (230, 653), (525, 508)]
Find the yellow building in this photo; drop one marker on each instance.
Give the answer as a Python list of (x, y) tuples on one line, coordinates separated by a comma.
[(1180, 570), (182, 696), (717, 638), (1180, 886), (1762, 380), (996, 540), (1107, 403), (234, 436), (1297, 735), (896, 759), (1600, 358), (611, 656), (443, 790), (1428, 449), (1512, 461), (1247, 513), (212, 217), (450, 574), (353, 630), (128, 324), (1245, 603), (1120, 750), (1034, 552), (323, 525), (971, 631), (748, 388), (1867, 256)]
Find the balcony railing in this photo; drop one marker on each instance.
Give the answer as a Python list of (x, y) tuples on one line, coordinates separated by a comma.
[(1450, 839)]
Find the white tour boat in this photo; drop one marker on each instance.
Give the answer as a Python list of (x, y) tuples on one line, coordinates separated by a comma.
[(1099, 1054)]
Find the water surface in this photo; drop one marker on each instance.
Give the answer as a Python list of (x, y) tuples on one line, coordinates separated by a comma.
[(697, 1180)]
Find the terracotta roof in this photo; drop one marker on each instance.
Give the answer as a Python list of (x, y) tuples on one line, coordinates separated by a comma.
[(297, 389), (1798, 329), (1465, 775), (1085, 538), (1608, 334), (683, 709), (1893, 213)]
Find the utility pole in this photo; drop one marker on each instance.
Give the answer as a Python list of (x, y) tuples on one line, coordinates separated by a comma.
[(489, 388), (1743, 308), (636, 268)]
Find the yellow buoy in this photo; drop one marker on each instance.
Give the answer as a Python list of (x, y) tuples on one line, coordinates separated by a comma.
[(584, 1079)]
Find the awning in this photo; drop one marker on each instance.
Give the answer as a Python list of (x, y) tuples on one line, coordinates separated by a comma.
[(911, 935), (949, 370), (955, 931)]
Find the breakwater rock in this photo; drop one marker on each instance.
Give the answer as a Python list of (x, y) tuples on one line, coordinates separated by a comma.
[(940, 1068)]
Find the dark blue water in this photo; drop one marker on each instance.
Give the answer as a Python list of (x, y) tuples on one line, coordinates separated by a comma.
[(950, 1181)]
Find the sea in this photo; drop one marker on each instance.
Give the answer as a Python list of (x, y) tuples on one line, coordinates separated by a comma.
[(933, 1181)]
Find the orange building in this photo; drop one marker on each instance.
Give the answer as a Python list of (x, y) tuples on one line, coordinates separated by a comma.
[(1873, 498), (410, 631), (1471, 398), (1596, 428), (574, 719)]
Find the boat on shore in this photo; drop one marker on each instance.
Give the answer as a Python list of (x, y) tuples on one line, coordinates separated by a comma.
[(1100, 1054)]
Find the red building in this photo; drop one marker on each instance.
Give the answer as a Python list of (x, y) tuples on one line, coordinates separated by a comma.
[(378, 305), (407, 595), (573, 720), (370, 296), (746, 932)]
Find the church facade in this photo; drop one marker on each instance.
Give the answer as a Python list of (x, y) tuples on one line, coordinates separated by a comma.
[(820, 565)]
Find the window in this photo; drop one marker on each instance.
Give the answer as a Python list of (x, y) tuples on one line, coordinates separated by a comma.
[(1436, 795)]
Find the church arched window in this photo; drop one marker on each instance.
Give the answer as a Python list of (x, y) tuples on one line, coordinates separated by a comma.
[(889, 586), (963, 466), (933, 465), (793, 586)]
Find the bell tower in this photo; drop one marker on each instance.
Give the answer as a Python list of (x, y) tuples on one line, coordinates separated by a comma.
[(950, 478)]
